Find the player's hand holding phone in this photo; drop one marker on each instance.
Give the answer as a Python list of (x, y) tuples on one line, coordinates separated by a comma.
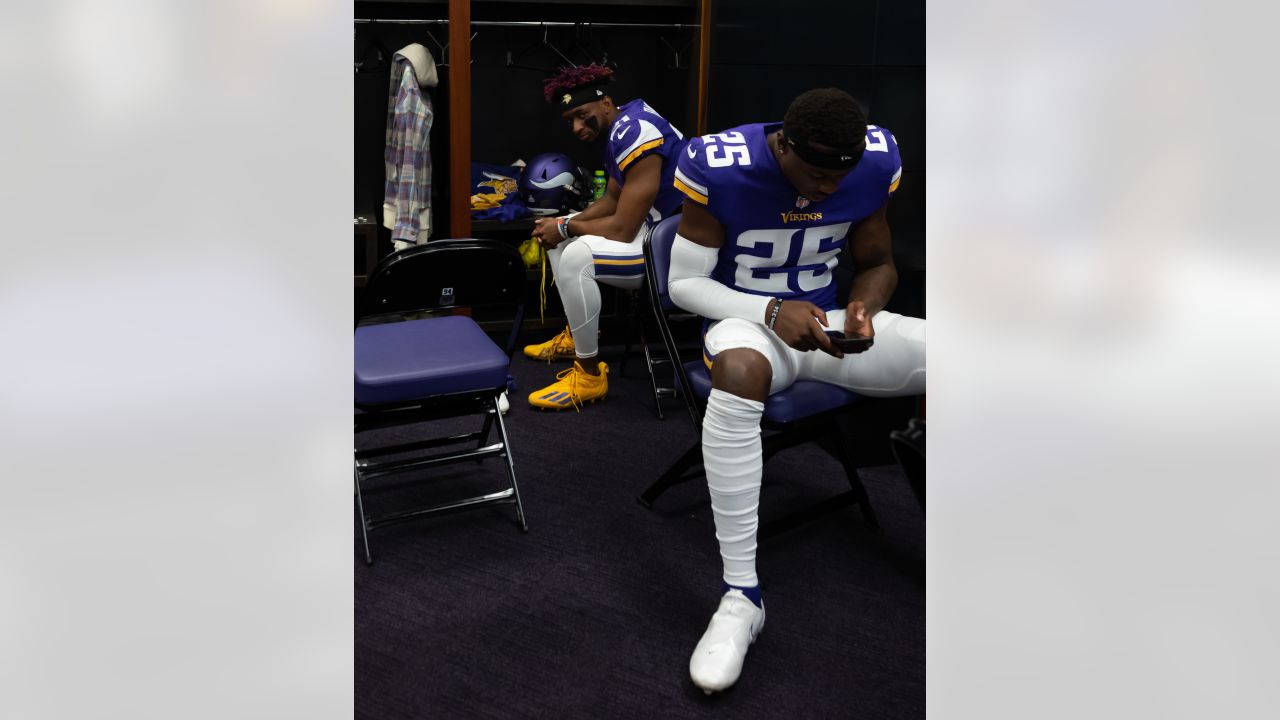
[(849, 344), (798, 326), (859, 334)]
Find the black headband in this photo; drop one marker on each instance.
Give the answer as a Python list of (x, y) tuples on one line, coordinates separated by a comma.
[(827, 159), (589, 92)]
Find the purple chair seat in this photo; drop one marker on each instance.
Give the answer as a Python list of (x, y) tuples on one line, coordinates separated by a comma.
[(405, 361), (802, 399)]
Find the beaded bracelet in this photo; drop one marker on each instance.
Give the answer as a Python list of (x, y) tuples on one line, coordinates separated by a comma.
[(773, 314)]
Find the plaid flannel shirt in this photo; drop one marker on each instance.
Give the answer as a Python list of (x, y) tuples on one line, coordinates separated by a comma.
[(408, 154)]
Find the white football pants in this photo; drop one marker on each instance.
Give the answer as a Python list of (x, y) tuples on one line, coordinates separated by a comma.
[(578, 264)]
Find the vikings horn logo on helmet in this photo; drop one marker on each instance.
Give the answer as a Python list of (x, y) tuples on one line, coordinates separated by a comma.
[(551, 184), (565, 179)]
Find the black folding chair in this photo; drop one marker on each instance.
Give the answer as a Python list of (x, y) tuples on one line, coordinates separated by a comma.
[(633, 302), (411, 371), (805, 412)]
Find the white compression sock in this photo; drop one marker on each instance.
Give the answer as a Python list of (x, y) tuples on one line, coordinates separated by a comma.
[(576, 276), (732, 457)]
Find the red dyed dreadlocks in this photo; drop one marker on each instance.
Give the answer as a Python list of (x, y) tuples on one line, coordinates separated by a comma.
[(571, 77)]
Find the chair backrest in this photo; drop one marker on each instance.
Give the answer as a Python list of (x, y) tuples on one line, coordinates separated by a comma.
[(658, 258), (657, 266), (446, 274)]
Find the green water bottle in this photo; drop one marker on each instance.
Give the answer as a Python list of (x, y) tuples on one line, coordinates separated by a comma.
[(598, 185)]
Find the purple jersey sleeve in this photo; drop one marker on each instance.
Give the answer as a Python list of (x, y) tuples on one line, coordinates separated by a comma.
[(885, 145), (632, 138), (639, 132), (691, 172)]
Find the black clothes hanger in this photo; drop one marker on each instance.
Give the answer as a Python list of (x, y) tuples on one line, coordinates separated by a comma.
[(584, 42), (442, 59), (675, 54), (541, 44), (380, 60)]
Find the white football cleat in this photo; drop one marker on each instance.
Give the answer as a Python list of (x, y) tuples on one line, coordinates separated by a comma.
[(717, 660), (503, 405)]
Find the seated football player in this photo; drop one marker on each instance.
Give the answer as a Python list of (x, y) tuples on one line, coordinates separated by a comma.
[(768, 209), (602, 244)]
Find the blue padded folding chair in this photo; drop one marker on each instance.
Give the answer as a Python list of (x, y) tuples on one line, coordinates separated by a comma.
[(804, 412), (410, 371)]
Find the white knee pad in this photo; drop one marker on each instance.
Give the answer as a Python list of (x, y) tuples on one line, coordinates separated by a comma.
[(574, 258), (735, 333)]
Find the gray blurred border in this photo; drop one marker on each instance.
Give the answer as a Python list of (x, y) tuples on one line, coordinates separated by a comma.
[(176, 299), (1103, 403), (176, 293)]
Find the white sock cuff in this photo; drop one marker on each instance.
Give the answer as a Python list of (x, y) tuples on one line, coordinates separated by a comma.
[(738, 407)]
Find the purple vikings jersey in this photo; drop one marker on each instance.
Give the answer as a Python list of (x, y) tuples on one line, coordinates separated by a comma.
[(637, 132), (776, 242)]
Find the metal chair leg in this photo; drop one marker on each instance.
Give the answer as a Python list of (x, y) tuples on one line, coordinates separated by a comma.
[(653, 382), (364, 521), (484, 432), (908, 449), (511, 467), (673, 476), (855, 482)]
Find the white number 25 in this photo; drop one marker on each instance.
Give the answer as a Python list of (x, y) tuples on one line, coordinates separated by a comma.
[(875, 140), (726, 149)]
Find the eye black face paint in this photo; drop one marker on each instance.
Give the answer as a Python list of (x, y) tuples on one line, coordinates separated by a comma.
[(593, 123)]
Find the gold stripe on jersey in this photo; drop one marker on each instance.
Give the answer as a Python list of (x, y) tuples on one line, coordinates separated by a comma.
[(693, 194), (637, 261), (622, 166)]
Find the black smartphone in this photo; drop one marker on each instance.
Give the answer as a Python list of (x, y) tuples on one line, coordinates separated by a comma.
[(849, 344)]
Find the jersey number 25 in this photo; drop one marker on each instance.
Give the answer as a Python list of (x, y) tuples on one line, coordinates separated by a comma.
[(763, 254), (727, 148)]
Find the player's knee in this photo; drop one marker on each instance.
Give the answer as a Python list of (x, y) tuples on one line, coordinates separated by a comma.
[(576, 258), (742, 372)]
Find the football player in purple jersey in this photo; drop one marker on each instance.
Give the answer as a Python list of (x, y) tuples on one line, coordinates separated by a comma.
[(602, 244), (769, 208)]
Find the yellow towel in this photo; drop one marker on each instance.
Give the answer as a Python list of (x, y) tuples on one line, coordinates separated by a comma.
[(533, 254)]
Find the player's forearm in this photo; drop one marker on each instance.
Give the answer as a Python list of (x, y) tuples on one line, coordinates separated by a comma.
[(693, 290), (874, 286), (602, 207), (609, 226)]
